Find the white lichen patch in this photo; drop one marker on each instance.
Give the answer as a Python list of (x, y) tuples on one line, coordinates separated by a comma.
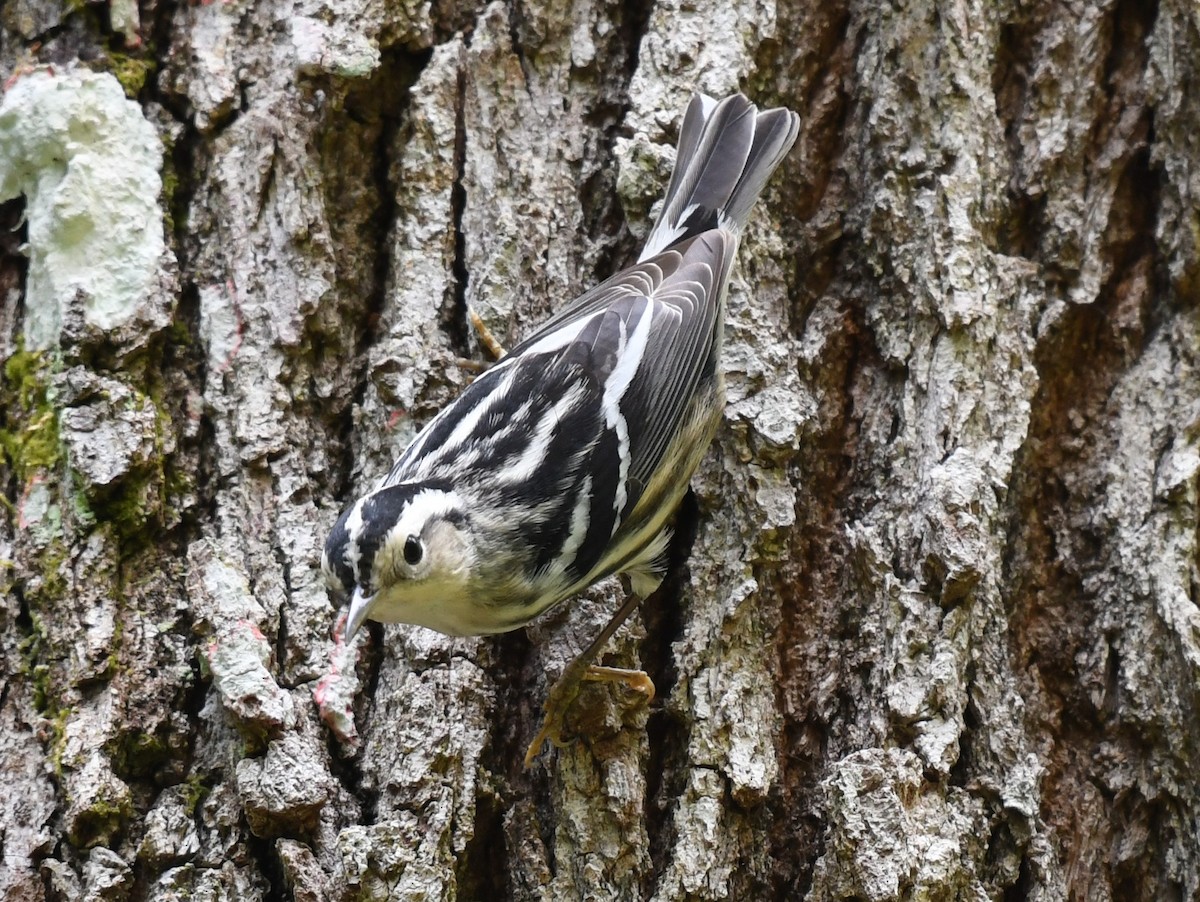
[(87, 163)]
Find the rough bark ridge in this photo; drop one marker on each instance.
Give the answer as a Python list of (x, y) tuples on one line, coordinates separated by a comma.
[(937, 631)]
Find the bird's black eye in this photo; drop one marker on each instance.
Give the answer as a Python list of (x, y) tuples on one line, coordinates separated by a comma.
[(413, 551)]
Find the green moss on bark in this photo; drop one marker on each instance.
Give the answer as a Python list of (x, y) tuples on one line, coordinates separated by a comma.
[(30, 437)]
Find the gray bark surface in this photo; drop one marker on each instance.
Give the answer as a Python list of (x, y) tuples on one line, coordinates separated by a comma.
[(936, 636)]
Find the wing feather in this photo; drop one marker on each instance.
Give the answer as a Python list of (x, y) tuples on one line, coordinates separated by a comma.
[(586, 406), (682, 290)]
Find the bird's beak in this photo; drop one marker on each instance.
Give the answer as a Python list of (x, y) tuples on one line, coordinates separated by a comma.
[(359, 603)]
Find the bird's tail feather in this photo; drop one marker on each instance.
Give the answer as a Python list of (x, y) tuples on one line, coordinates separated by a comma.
[(726, 153)]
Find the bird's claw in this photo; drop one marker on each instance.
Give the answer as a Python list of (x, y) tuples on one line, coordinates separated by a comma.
[(566, 689)]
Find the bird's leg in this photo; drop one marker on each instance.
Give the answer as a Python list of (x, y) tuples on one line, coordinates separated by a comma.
[(486, 338), (566, 688)]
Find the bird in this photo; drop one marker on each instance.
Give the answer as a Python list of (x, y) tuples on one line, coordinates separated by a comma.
[(564, 462)]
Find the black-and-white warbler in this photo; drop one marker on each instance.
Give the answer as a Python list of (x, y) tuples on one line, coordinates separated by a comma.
[(564, 462)]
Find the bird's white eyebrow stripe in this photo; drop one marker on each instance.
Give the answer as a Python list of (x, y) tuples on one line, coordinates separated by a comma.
[(424, 506)]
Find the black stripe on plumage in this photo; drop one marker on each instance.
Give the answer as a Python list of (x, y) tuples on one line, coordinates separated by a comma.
[(380, 512), (441, 429), (335, 552), (604, 465), (553, 490), (698, 221), (516, 417)]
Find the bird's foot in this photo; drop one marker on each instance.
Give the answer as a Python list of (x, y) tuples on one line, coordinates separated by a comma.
[(637, 680), (566, 689)]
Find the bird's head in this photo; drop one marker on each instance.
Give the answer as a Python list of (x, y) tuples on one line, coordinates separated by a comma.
[(398, 552)]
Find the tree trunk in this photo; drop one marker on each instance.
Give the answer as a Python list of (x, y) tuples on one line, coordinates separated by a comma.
[(936, 632)]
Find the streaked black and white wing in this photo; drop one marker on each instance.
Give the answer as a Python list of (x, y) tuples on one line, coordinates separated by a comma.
[(676, 298), (575, 420)]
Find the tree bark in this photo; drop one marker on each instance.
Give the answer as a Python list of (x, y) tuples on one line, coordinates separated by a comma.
[(934, 630)]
